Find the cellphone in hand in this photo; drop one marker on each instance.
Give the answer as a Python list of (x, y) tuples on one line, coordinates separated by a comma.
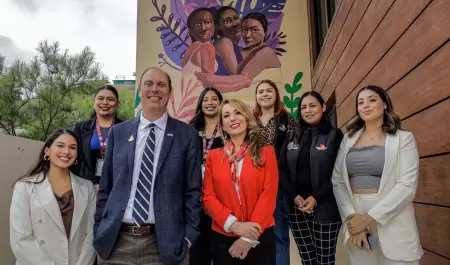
[(372, 241)]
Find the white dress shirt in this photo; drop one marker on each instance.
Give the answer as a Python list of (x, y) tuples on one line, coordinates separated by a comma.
[(142, 134)]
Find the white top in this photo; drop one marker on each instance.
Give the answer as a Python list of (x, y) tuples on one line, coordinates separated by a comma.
[(37, 232)]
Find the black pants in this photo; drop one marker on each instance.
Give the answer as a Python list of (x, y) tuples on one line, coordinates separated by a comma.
[(262, 254), (200, 252), (316, 242)]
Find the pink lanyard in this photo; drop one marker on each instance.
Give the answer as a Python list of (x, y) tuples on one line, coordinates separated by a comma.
[(100, 138), (206, 148)]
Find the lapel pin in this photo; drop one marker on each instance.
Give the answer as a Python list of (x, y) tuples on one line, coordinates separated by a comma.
[(131, 139), (169, 134), (321, 147)]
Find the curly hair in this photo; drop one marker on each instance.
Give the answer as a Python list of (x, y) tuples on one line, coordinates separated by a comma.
[(391, 121), (252, 136)]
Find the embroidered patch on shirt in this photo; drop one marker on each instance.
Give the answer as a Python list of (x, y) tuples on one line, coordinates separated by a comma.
[(321, 147), (292, 146)]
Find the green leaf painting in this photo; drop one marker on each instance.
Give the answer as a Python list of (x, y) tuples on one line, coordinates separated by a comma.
[(291, 102)]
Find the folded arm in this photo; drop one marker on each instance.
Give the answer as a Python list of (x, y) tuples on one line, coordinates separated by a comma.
[(25, 247), (225, 49)]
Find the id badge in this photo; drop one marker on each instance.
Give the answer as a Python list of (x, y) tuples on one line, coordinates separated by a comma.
[(99, 167), (203, 171)]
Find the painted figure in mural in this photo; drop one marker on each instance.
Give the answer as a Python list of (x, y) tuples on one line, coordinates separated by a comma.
[(228, 52), (199, 57), (258, 59)]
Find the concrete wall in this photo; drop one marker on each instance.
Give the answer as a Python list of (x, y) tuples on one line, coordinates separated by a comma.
[(16, 157)]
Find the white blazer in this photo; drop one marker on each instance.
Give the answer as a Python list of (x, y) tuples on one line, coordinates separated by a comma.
[(393, 212), (37, 233)]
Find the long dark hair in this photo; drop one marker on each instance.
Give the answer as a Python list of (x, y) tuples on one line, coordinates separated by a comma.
[(110, 88), (391, 121), (198, 121), (260, 17), (302, 125), (43, 166), (194, 13), (218, 17)]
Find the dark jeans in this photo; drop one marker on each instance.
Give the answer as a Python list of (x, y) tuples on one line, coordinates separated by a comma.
[(281, 231), (200, 252), (262, 254)]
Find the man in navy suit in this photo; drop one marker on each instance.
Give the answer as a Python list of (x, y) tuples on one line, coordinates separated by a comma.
[(149, 200)]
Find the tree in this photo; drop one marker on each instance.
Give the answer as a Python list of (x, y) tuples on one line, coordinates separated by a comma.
[(43, 89), (14, 95)]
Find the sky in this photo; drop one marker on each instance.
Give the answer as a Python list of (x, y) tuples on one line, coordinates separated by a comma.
[(108, 27)]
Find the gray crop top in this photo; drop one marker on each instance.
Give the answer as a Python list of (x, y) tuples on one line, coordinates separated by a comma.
[(365, 166)]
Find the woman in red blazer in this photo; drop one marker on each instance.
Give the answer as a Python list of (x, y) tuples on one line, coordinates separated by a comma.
[(240, 190)]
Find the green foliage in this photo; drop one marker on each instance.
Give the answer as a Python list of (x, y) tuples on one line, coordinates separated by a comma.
[(291, 102), (49, 92), (14, 95), (126, 109)]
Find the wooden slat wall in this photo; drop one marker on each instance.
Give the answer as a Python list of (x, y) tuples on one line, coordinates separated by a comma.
[(402, 46)]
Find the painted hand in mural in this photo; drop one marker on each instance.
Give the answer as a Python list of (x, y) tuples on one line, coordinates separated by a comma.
[(233, 83)]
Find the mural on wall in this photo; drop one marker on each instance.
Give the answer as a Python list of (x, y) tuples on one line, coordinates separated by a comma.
[(230, 45)]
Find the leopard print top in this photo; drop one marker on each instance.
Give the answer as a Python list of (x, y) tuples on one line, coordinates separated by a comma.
[(267, 133)]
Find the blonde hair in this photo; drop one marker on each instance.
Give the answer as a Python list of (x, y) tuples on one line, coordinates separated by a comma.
[(251, 137)]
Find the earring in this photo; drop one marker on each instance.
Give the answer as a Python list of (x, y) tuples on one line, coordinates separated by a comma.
[(46, 157), (76, 162)]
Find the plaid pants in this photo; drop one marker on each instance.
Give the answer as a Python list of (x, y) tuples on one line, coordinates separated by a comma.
[(316, 242)]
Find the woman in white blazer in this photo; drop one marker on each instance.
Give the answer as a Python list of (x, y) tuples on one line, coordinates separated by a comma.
[(374, 182), (52, 211)]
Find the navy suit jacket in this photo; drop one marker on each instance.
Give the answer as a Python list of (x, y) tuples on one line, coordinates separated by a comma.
[(177, 191)]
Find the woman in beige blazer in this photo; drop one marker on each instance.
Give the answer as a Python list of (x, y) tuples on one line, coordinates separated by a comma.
[(374, 182), (52, 210)]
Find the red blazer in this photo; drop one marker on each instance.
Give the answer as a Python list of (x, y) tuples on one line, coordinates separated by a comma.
[(258, 190)]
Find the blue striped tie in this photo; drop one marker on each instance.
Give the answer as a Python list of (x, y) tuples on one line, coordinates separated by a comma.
[(141, 204)]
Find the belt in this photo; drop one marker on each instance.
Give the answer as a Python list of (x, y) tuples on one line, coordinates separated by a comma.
[(145, 229)]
